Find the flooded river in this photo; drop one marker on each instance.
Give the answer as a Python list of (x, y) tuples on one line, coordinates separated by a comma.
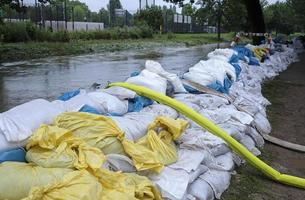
[(49, 77)]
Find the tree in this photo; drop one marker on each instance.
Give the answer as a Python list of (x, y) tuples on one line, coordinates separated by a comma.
[(254, 14), (279, 17), (151, 16), (298, 6), (188, 10), (113, 4), (104, 15), (80, 14)]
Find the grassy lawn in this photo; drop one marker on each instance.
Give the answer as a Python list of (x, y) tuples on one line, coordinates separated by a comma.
[(30, 50)]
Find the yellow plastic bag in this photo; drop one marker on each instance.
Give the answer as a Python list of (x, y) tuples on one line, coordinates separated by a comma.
[(17, 179), (155, 150), (151, 152), (98, 131), (117, 185), (77, 185), (51, 146)]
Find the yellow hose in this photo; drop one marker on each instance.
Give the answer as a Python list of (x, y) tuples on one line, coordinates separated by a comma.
[(211, 127)]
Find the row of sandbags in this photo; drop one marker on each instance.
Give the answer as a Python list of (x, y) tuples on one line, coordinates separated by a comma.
[(196, 165)]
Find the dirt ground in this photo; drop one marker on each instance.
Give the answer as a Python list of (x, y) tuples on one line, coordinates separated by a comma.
[(287, 116)]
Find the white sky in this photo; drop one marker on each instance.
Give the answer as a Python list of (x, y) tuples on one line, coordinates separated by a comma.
[(131, 5)]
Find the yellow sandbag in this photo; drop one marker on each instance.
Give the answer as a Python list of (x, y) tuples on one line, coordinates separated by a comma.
[(77, 185), (51, 146), (154, 150), (17, 179), (117, 185), (98, 131), (102, 185)]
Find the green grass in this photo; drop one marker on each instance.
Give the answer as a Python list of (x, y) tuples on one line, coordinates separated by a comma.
[(30, 50)]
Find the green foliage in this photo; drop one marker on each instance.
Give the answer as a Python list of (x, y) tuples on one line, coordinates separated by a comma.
[(279, 17), (114, 4), (24, 32), (151, 16), (298, 7), (188, 10)]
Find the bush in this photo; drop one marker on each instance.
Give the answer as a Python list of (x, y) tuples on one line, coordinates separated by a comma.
[(23, 32)]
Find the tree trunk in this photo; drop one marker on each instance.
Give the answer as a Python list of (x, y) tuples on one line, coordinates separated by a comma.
[(256, 17)]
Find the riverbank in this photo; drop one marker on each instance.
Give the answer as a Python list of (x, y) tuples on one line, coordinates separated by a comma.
[(286, 115), (30, 50)]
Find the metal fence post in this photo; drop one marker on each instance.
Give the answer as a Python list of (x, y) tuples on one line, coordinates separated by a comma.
[(57, 10), (72, 18)]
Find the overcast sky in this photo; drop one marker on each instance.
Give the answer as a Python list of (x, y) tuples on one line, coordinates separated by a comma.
[(131, 5)]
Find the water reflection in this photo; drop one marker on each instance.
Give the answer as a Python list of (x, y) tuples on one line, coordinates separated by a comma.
[(48, 78)]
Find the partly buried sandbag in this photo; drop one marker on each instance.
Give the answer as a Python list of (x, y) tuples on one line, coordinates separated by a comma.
[(18, 123), (51, 146), (150, 152), (18, 178)]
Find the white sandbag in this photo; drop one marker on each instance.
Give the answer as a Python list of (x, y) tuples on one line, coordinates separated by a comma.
[(231, 130), (150, 80), (171, 182), (75, 103), (18, 123), (107, 103), (250, 145), (262, 124), (117, 162), (199, 78), (225, 161), (218, 180), (199, 139), (120, 92), (220, 150), (134, 124), (201, 190), (156, 67), (188, 160), (5, 145), (228, 53), (212, 102), (160, 110), (257, 138), (195, 174)]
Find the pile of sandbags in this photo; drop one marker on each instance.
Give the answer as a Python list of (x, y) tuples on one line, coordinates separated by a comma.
[(112, 143)]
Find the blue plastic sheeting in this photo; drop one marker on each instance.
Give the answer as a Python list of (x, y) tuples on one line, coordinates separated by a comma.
[(234, 59), (89, 109), (253, 61), (138, 103), (68, 95), (191, 90), (135, 73), (237, 68), (16, 155), (244, 52)]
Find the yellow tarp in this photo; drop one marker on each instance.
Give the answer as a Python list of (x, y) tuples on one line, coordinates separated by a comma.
[(151, 152), (51, 146), (16, 179), (104, 185)]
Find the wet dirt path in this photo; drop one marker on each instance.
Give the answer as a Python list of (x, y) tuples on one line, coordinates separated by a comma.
[(287, 116)]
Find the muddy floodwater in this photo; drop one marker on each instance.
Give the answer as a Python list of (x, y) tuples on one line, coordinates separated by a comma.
[(49, 77)]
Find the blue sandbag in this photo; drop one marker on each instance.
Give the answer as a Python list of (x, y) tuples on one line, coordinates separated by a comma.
[(234, 59), (68, 95), (138, 103), (15, 155)]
